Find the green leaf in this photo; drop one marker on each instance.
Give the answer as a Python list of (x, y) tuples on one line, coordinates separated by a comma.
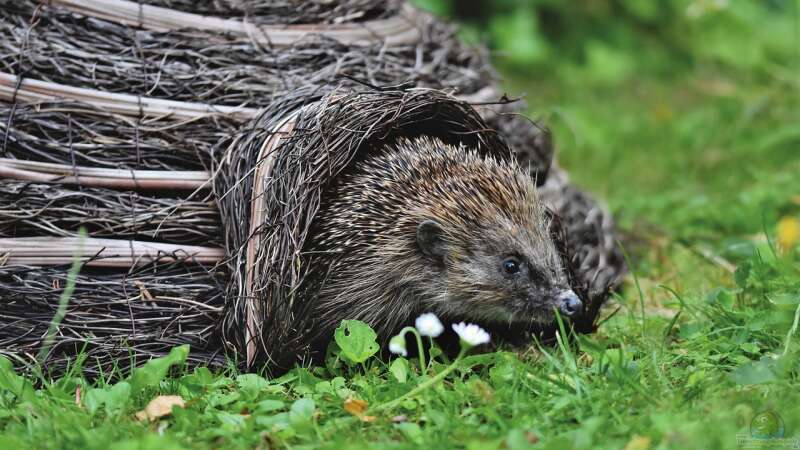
[(356, 340), (94, 399), (399, 369), (278, 421), (10, 381), (251, 385), (266, 406), (411, 431), (722, 297), (785, 298), (197, 383), (231, 421), (502, 374), (116, 398), (200, 376), (220, 399), (756, 372), (155, 370), (301, 413), (324, 387), (691, 329), (742, 274), (750, 347), (333, 362)]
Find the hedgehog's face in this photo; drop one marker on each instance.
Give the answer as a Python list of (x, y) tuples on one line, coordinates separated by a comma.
[(510, 273)]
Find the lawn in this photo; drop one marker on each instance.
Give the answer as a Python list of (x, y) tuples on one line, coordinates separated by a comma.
[(690, 132)]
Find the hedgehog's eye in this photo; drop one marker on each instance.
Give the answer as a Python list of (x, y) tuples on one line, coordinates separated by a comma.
[(511, 266)]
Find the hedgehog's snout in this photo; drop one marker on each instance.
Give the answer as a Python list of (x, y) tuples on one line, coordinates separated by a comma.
[(569, 304)]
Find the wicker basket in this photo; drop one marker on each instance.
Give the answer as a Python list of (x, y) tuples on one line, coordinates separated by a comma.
[(193, 144)]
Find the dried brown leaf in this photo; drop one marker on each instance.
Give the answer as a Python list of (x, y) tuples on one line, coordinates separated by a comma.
[(159, 407), (355, 406)]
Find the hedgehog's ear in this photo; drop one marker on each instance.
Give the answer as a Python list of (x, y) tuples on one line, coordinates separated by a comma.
[(430, 240)]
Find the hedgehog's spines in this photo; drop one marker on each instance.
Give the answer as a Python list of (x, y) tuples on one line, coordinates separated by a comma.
[(366, 228)]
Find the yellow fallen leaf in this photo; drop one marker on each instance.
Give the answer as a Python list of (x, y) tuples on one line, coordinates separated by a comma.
[(788, 232), (160, 406), (638, 443), (355, 406)]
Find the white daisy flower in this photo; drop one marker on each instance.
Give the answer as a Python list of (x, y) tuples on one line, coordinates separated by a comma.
[(397, 345), (429, 325), (471, 334)]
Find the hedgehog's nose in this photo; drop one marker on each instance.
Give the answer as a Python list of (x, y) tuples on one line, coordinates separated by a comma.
[(569, 304)]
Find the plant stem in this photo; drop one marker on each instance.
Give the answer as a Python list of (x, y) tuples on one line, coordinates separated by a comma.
[(430, 360), (420, 351), (63, 300), (439, 377), (792, 330)]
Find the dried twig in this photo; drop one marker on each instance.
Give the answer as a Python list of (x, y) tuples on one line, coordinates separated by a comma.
[(400, 28)]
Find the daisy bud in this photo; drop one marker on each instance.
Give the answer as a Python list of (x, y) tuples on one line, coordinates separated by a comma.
[(397, 345), (471, 334), (429, 325)]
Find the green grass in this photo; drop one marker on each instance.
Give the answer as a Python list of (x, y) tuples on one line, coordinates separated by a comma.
[(697, 163)]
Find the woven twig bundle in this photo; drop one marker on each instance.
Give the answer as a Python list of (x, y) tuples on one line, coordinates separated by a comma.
[(116, 318)]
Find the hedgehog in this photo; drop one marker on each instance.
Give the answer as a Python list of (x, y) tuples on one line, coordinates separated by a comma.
[(425, 226)]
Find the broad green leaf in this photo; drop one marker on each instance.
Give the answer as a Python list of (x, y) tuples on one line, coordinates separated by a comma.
[(722, 297), (113, 398), (690, 329), (785, 298), (197, 383), (10, 381), (324, 387), (234, 421), (93, 399), (301, 413), (251, 384), (356, 340), (756, 372), (220, 399), (117, 397), (266, 406), (399, 369), (200, 376), (152, 372), (275, 422)]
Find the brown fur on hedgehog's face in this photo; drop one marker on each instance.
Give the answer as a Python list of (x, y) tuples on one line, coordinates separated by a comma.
[(507, 273)]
